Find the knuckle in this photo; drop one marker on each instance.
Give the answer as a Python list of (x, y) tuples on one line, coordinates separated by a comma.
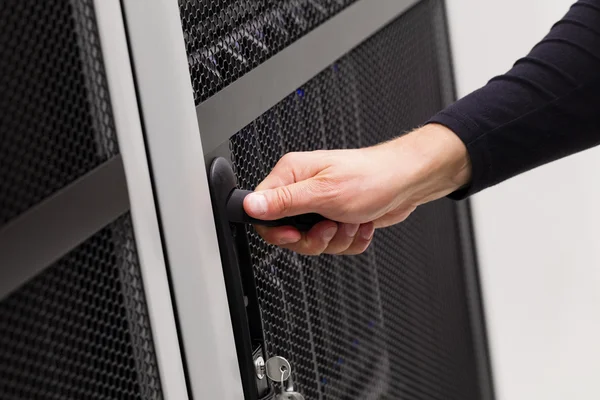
[(327, 192), (284, 199), (365, 246), (345, 245), (312, 251), (335, 250), (289, 159), (311, 248), (326, 186), (359, 248)]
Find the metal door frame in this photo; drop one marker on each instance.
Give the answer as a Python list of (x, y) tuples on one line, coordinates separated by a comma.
[(180, 184), (40, 236), (113, 41)]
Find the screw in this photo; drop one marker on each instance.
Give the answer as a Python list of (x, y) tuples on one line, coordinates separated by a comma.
[(259, 365)]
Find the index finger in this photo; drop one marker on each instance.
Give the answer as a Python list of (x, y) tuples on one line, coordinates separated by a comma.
[(291, 168)]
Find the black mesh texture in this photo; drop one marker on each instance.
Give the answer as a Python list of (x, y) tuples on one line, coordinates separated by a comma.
[(55, 121), (80, 329), (392, 323), (227, 38)]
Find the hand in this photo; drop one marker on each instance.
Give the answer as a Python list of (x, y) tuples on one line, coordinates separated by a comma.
[(360, 189)]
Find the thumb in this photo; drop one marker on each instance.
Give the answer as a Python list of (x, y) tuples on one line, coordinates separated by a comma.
[(283, 201)]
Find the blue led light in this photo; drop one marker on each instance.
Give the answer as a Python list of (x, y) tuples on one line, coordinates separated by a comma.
[(340, 361), (324, 381), (300, 92), (336, 67)]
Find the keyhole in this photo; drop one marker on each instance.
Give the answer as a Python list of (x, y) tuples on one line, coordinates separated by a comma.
[(283, 369)]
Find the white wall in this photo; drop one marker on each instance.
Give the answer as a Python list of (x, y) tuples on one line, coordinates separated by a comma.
[(538, 234)]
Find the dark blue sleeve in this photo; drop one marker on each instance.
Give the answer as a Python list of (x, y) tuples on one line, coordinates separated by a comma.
[(545, 108)]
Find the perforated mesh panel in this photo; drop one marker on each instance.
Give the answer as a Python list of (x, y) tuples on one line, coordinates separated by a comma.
[(54, 110), (227, 38), (80, 329), (392, 323)]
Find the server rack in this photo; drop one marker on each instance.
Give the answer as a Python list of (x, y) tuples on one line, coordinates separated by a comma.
[(113, 280)]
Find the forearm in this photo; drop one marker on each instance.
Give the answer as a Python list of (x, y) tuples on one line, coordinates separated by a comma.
[(544, 108)]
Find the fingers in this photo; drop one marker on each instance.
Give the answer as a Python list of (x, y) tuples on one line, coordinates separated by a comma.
[(298, 185), (312, 243), (326, 237), (292, 188), (343, 238), (280, 236), (292, 168), (283, 201), (362, 240)]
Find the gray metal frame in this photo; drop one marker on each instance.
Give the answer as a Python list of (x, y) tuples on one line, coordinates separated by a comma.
[(180, 184), (122, 93), (37, 238), (234, 107)]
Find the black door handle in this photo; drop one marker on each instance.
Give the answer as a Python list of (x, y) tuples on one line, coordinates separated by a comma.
[(237, 214), (239, 281)]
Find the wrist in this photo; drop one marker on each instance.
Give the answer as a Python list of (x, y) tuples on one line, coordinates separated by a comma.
[(441, 162)]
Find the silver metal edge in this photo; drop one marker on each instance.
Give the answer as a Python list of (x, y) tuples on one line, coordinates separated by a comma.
[(184, 205), (39, 237), (238, 104), (113, 41)]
